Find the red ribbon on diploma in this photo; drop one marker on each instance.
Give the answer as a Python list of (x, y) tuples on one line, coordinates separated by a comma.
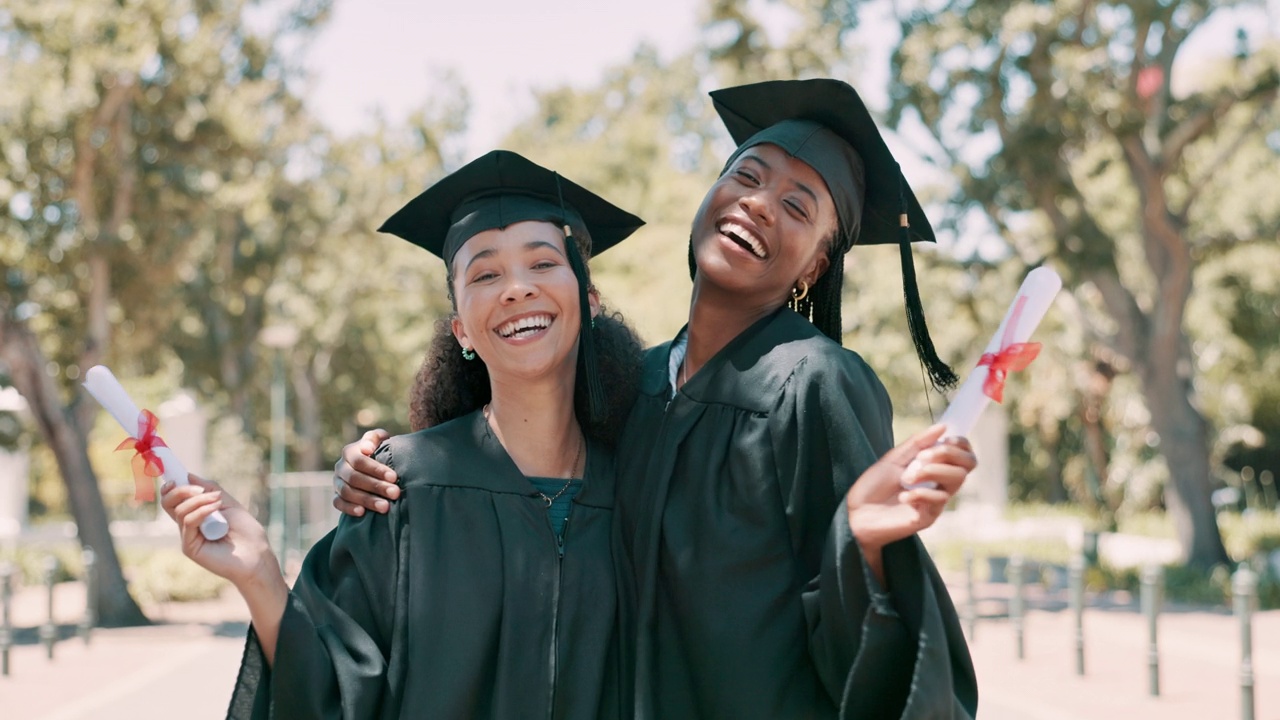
[(1012, 356), (146, 464)]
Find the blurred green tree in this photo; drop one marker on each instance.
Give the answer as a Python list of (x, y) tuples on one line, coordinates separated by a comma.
[(1064, 119), (120, 119)]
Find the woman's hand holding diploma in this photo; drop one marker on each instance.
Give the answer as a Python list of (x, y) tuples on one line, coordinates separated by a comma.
[(881, 511), (243, 556)]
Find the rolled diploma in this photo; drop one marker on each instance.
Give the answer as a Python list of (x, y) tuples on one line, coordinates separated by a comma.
[(1039, 288), (104, 388)]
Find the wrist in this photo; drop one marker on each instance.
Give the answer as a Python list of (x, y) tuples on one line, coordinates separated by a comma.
[(265, 577)]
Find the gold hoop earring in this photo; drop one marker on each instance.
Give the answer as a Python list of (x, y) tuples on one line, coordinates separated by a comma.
[(802, 293)]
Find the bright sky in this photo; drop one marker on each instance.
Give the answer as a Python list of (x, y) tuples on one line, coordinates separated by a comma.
[(387, 53)]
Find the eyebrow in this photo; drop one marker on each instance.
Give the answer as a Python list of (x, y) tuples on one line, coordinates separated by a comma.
[(531, 245), (803, 188)]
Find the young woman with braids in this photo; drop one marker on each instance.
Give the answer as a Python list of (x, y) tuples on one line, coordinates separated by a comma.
[(757, 579), (488, 590)]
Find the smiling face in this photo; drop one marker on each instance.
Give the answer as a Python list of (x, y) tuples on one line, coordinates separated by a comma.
[(763, 226), (517, 301)]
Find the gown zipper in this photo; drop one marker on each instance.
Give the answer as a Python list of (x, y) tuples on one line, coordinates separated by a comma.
[(555, 609)]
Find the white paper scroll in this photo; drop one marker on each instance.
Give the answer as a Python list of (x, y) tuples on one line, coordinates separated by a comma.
[(104, 387), (1038, 289), (1029, 305)]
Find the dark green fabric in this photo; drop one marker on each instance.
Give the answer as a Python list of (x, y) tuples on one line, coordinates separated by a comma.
[(558, 510), (456, 604), (737, 569)]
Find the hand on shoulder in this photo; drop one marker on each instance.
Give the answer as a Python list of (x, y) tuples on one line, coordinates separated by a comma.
[(361, 483)]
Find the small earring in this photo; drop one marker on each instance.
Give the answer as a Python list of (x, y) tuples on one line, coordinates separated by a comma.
[(593, 323), (802, 293), (468, 353)]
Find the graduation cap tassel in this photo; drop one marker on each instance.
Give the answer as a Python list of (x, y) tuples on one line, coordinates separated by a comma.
[(941, 376), (587, 365)]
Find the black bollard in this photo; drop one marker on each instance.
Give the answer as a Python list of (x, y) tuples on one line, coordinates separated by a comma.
[(49, 631), (1075, 579), (90, 618), (6, 619), (1244, 588), (1016, 607), (1152, 579)]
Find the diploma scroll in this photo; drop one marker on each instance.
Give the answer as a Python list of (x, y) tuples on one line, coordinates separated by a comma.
[(1007, 351), (104, 388), (1024, 315)]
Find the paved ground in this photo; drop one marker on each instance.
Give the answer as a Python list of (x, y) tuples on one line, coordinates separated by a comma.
[(185, 666)]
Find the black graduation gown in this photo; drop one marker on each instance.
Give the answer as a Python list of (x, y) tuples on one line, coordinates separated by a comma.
[(747, 598), (458, 603)]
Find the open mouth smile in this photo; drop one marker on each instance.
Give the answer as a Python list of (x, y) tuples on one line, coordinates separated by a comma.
[(743, 236), (524, 327)]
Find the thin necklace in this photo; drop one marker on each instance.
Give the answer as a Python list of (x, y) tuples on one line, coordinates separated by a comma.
[(582, 445)]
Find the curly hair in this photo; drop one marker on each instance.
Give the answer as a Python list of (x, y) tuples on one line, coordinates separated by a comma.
[(448, 386)]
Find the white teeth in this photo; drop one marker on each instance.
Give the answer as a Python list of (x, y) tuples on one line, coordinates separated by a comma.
[(743, 235), (525, 326)]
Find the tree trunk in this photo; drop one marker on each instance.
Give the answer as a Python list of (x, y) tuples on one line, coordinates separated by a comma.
[(1056, 493), (20, 351), (1184, 443)]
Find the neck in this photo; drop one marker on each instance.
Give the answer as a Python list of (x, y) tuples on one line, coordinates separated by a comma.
[(536, 424), (716, 317)]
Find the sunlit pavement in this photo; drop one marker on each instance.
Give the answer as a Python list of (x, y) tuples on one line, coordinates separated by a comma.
[(185, 668)]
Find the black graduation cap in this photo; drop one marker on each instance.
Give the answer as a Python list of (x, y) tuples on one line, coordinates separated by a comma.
[(825, 124), (500, 189)]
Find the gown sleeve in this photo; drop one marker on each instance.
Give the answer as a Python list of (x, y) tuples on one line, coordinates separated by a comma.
[(895, 654), (335, 657)]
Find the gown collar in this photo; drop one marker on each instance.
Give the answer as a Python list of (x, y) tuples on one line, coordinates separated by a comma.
[(499, 473)]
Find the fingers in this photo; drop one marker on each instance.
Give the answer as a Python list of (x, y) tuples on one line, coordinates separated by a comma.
[(913, 445), (193, 519), (943, 467), (198, 500), (358, 498), (363, 471), (171, 497), (347, 508), (375, 437), (928, 505)]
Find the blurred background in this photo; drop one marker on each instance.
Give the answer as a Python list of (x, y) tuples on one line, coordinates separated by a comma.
[(189, 191)]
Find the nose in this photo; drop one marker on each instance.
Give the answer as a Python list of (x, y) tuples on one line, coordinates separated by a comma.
[(518, 288), (759, 206)]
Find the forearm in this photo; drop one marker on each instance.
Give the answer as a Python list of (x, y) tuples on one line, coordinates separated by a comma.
[(266, 594)]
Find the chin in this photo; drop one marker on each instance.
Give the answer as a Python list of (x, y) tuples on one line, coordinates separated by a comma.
[(538, 364), (715, 268)]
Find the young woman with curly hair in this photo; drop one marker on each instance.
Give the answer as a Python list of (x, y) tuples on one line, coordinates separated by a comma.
[(488, 589)]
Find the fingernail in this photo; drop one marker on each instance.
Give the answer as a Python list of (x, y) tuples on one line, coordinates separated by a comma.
[(382, 506), (166, 486), (358, 511), (393, 492)]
